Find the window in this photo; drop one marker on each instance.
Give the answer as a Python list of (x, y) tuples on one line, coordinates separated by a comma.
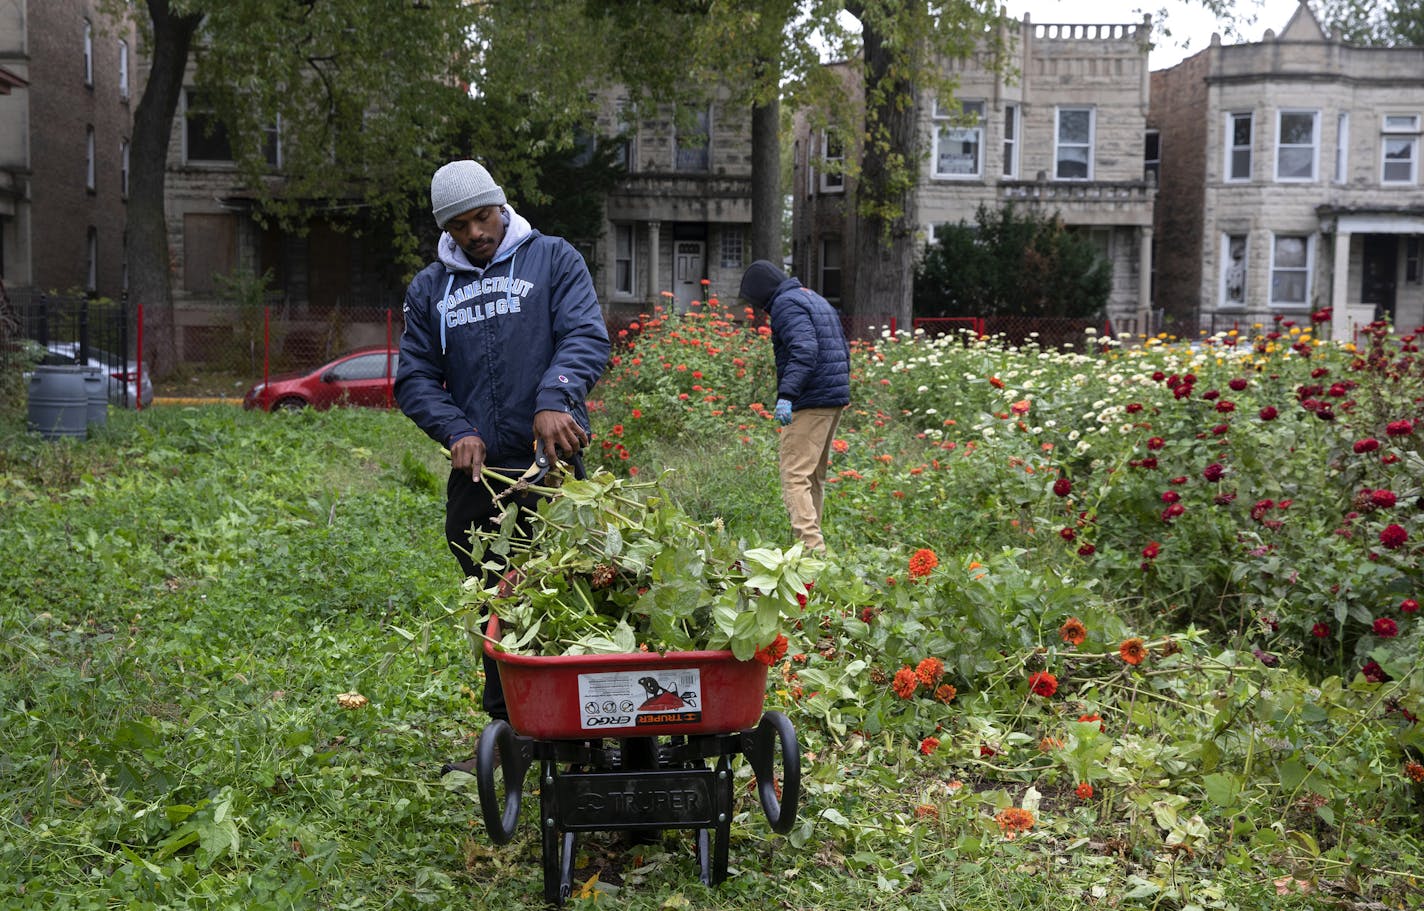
[(1290, 270), (1238, 146), (831, 269), (272, 143), (1400, 146), (1342, 148), (1073, 152), (365, 367), (1296, 144), (1233, 270), (209, 249), (694, 143), (623, 260), (1011, 140), (89, 166), (732, 248), (124, 169), (88, 53), (91, 277), (124, 70), (833, 162), (204, 136), (1152, 157), (628, 130), (959, 140)]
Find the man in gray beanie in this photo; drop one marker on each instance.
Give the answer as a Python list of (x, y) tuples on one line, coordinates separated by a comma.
[(504, 339), (812, 387)]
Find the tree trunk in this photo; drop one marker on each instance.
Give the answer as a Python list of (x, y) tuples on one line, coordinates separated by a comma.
[(766, 182), (147, 224), (883, 250)]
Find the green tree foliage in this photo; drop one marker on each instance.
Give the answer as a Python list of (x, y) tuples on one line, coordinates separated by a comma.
[(1011, 264), (1392, 23)]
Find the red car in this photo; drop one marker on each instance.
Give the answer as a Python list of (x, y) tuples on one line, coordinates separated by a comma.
[(363, 377)]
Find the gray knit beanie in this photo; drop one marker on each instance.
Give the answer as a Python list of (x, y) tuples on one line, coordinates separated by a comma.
[(461, 186)]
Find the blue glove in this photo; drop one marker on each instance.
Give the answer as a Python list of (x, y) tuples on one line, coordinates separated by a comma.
[(783, 411)]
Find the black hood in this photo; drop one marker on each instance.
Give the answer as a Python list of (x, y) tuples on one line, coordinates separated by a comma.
[(760, 282)]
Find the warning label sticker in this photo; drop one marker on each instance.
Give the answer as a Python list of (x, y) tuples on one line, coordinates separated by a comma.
[(640, 698)]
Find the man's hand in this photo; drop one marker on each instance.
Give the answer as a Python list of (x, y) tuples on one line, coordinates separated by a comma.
[(468, 454), (560, 433), (783, 411)]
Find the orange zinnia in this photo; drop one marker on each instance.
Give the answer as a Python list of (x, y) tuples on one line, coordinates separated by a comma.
[(1073, 631), (1133, 651), (929, 671), (905, 683), (1014, 820), (922, 563), (945, 693)]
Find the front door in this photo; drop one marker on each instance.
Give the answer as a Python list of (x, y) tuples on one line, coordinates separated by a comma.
[(687, 272), (1379, 273)]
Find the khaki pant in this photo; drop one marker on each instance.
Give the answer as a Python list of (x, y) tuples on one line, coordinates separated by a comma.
[(805, 453)]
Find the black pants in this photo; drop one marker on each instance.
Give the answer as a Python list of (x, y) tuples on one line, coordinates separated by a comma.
[(469, 504)]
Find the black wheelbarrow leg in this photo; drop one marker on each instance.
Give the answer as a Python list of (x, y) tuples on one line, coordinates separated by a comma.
[(559, 848), (724, 819)]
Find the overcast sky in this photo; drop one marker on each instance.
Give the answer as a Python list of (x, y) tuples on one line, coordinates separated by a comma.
[(1189, 23)]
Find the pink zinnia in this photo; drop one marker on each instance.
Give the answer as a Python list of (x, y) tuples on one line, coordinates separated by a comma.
[(1393, 536)]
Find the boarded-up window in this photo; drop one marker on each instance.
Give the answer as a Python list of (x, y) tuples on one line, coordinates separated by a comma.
[(209, 249)]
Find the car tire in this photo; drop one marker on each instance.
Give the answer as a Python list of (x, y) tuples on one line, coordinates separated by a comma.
[(290, 403)]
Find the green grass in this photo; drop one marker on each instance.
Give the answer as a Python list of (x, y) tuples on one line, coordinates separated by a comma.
[(184, 596)]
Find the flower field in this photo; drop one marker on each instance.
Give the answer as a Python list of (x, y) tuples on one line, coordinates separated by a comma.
[(1123, 625)]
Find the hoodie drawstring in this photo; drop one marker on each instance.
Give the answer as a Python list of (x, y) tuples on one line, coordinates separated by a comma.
[(440, 307)]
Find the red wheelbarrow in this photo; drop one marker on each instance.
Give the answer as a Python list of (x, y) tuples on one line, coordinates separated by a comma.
[(624, 743)]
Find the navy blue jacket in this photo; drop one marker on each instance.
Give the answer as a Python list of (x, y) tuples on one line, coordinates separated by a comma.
[(812, 357), (484, 349)]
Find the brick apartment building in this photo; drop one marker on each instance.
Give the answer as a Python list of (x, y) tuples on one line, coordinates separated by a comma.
[(66, 97), (1290, 182), (1061, 129)]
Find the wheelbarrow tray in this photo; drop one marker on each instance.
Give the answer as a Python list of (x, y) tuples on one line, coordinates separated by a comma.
[(643, 694)]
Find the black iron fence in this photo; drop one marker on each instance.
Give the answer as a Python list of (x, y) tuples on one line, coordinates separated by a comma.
[(74, 328)]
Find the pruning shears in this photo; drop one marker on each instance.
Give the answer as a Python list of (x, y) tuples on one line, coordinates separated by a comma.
[(538, 470)]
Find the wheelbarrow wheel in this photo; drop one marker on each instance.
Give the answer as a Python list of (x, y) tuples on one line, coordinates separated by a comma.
[(498, 750), (775, 728)]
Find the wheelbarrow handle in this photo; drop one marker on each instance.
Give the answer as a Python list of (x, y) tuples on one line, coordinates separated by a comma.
[(760, 749), (499, 748)]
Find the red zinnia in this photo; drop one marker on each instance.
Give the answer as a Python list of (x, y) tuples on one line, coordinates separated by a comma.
[(1062, 487), (771, 653), (1152, 550), (1384, 499), (1043, 683), (1393, 536), (1409, 606), (1401, 428), (1084, 791), (1094, 716), (1214, 471), (1368, 444), (1155, 443), (1087, 550), (922, 563), (1269, 413), (1386, 628), (1238, 383), (905, 683), (1320, 631), (929, 745)]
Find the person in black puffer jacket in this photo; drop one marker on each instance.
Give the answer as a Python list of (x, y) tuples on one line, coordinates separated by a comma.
[(812, 387)]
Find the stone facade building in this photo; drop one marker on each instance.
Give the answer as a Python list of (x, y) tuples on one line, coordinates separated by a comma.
[(1060, 129), (1290, 183), (682, 214), (66, 99)]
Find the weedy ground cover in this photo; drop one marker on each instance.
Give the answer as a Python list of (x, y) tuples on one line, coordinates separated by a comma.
[(1134, 627)]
